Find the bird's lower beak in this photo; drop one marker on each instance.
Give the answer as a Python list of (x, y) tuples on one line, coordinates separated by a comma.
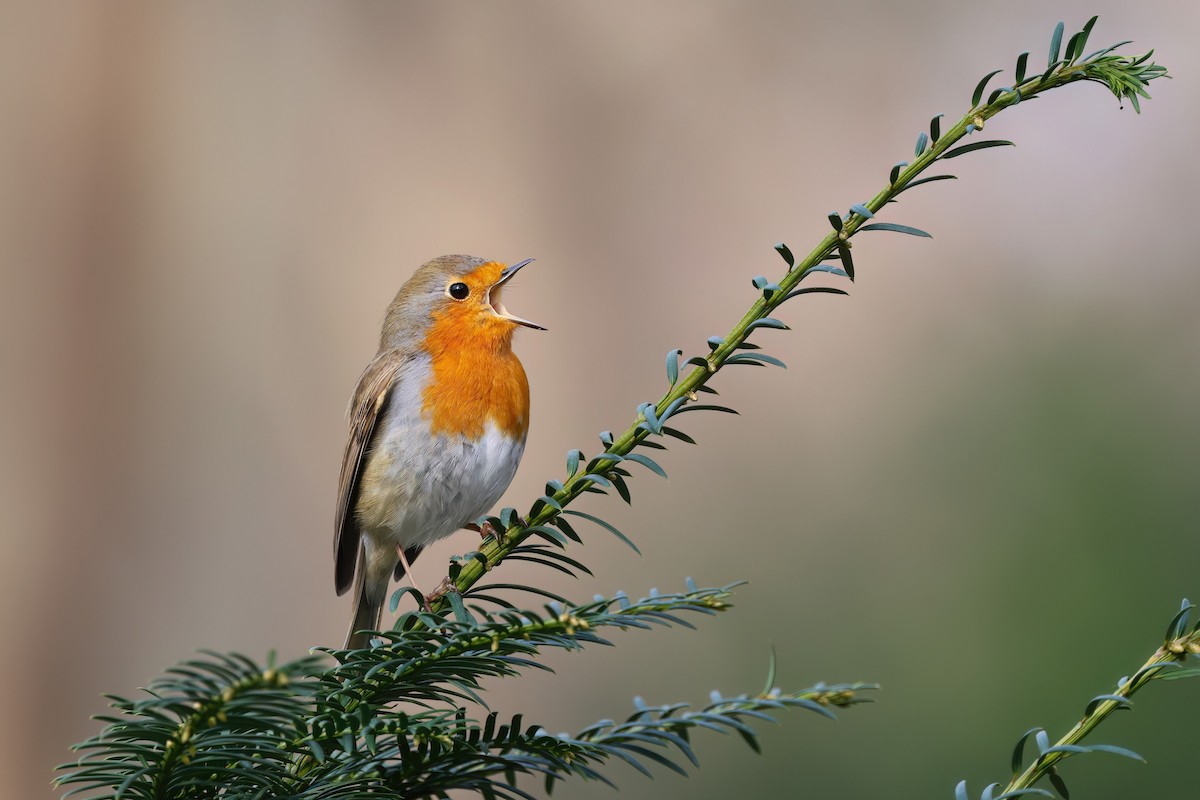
[(495, 291)]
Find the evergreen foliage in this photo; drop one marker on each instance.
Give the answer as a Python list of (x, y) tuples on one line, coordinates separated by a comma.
[(407, 717)]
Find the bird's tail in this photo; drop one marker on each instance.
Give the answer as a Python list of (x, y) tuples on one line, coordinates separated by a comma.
[(369, 594)]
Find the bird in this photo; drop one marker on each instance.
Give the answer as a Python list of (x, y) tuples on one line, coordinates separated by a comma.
[(438, 423)]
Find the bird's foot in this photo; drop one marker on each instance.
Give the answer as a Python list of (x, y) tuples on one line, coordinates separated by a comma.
[(488, 529), (485, 530), (445, 586)]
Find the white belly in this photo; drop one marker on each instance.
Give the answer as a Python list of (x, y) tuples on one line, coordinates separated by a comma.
[(425, 488)]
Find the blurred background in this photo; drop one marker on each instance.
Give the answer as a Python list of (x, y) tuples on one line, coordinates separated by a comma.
[(976, 484)]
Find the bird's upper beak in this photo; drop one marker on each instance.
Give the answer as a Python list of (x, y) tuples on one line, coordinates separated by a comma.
[(494, 296)]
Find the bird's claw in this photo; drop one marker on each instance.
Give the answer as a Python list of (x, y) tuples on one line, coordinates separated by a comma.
[(445, 586), (485, 530), (488, 529)]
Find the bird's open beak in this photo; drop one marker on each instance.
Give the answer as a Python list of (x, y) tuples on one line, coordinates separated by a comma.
[(495, 291)]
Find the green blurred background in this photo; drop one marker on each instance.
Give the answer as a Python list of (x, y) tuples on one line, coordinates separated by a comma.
[(976, 484)]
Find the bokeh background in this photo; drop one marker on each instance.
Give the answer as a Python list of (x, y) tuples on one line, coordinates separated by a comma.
[(976, 484)]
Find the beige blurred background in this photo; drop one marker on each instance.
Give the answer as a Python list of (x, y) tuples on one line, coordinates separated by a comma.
[(977, 482)]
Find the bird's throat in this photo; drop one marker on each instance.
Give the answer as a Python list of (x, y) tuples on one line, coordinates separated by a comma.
[(476, 378)]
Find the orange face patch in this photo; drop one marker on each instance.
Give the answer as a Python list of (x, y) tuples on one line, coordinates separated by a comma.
[(476, 377)]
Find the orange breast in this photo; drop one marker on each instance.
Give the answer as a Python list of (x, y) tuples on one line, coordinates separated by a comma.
[(476, 377)]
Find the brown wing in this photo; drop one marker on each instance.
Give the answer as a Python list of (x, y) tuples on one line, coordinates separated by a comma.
[(370, 396)]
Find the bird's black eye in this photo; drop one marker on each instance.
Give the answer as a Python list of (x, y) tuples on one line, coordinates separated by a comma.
[(459, 291)]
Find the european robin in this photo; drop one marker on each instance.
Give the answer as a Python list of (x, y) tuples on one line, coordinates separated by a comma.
[(437, 427)]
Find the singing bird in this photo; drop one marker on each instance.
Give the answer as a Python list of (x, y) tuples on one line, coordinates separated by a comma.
[(437, 427)]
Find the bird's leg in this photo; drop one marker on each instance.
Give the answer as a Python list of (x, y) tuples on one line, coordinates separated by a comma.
[(411, 578)]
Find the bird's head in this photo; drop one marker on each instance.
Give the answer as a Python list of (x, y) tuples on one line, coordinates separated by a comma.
[(454, 301)]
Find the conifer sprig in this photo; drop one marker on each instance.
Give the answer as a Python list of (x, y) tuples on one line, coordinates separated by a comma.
[(1169, 662), (1125, 76), (397, 719)]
